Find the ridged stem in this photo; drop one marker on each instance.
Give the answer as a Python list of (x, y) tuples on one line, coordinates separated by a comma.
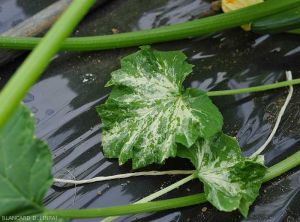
[(274, 171), (189, 29)]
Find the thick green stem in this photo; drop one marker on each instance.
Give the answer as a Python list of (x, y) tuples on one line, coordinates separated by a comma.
[(254, 89), (283, 166), (295, 31), (274, 171), (17, 87), (131, 209), (173, 32)]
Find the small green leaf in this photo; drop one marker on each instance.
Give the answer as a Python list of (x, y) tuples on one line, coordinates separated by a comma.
[(231, 181), (149, 111), (25, 167)]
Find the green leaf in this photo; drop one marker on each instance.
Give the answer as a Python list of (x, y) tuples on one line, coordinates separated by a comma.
[(231, 181), (25, 167), (149, 111)]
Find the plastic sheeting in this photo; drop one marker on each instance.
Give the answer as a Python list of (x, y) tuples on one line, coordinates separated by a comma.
[(64, 101)]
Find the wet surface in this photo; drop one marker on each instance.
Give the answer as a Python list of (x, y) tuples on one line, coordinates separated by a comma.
[(64, 101), (12, 12)]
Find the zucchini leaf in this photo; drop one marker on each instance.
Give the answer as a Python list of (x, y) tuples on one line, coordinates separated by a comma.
[(25, 167), (231, 181), (149, 111)]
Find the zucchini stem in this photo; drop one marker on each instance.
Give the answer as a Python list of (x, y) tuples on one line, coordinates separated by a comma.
[(125, 175), (189, 29), (274, 171), (254, 89), (158, 193)]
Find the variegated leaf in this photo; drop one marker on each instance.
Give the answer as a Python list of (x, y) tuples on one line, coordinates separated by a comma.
[(231, 181), (149, 111)]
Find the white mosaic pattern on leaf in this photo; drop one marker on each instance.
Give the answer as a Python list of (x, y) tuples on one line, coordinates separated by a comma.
[(231, 181), (149, 111)]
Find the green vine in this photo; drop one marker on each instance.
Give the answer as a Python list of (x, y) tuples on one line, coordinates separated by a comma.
[(163, 34), (254, 89), (273, 172)]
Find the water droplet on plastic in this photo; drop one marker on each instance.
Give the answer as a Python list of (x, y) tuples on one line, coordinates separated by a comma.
[(88, 78)]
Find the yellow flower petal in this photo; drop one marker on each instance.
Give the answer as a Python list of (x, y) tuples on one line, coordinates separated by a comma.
[(230, 5)]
